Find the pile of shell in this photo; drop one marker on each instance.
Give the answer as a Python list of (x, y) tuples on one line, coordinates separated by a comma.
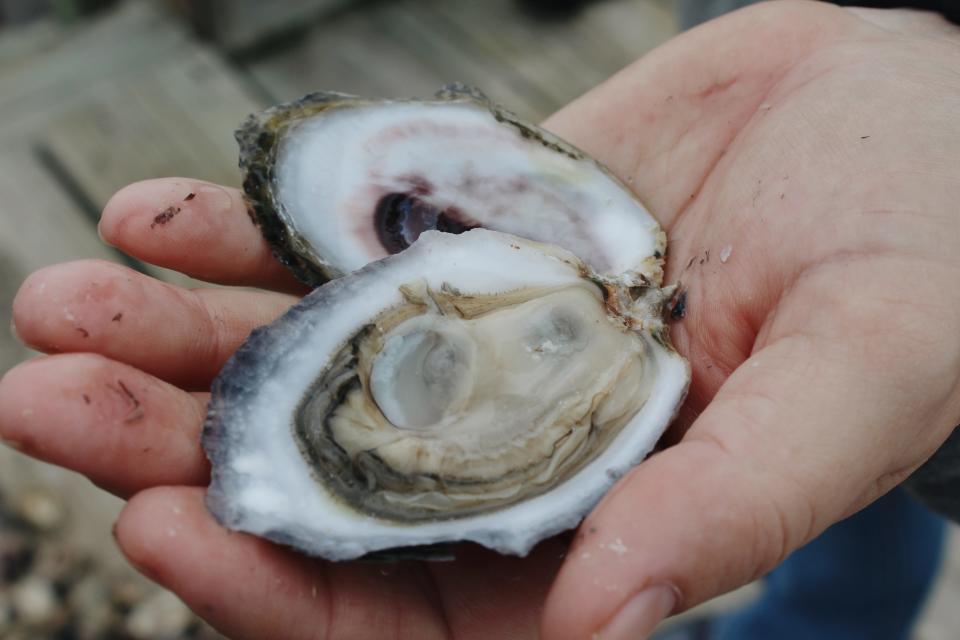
[(49, 590)]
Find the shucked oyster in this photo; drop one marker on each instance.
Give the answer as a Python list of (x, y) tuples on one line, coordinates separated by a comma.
[(473, 387), (476, 387)]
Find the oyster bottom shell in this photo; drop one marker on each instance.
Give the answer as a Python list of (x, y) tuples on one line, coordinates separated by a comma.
[(378, 414)]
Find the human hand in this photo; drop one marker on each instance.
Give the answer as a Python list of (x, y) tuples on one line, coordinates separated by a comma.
[(840, 290), (804, 161), (123, 403)]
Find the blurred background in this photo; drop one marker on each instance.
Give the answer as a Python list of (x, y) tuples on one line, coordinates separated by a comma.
[(95, 94)]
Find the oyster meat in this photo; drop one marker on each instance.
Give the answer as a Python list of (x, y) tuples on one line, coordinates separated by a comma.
[(479, 387)]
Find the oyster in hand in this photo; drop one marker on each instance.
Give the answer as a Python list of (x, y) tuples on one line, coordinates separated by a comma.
[(485, 387), (477, 387)]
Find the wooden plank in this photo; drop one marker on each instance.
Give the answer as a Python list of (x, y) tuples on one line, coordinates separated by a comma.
[(409, 48), (565, 58), (129, 39), (215, 98), (238, 24), (511, 40), (160, 115), (17, 12), (22, 45), (174, 120), (415, 25), (614, 33), (350, 54), (391, 49), (39, 223)]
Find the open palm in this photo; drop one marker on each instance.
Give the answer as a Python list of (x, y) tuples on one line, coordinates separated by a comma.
[(803, 160)]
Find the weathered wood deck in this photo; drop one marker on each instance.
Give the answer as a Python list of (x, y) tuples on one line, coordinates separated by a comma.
[(132, 95)]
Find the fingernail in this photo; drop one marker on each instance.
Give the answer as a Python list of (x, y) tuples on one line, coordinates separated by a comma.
[(640, 616)]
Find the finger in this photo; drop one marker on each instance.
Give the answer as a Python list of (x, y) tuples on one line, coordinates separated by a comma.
[(249, 588), (181, 336), (803, 434), (196, 227), (122, 428), (663, 123), (487, 595)]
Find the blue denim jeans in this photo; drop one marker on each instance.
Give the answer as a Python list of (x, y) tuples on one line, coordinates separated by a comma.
[(865, 578)]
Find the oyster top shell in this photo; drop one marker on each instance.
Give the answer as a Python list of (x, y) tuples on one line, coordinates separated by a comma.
[(336, 181)]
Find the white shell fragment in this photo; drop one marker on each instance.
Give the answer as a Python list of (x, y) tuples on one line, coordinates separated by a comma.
[(476, 387)]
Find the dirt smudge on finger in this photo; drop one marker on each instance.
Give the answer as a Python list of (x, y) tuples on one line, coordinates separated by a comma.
[(135, 412), (165, 216)]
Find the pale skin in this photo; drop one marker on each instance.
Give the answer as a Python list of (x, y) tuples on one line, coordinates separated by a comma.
[(811, 150)]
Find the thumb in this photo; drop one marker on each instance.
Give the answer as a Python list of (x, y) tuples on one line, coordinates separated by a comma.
[(801, 435)]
